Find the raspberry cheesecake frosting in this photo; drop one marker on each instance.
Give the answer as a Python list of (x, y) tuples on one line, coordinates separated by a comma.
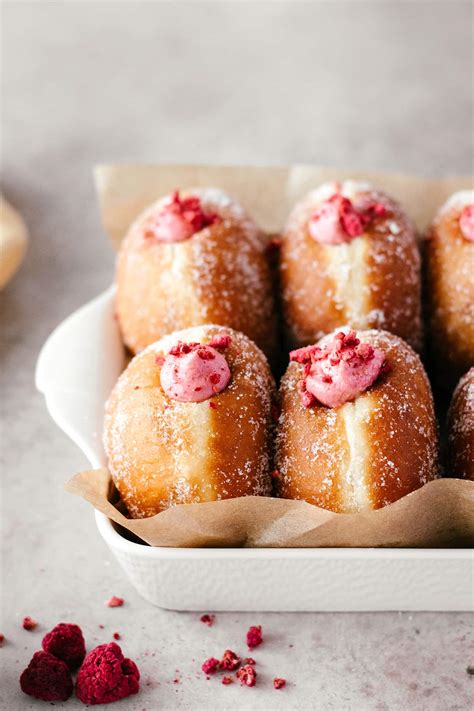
[(193, 372), (179, 218), (338, 370)]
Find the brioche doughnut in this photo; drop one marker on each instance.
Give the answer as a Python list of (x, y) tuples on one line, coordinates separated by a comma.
[(460, 450), (450, 287), (192, 259), (375, 438), (349, 256), (189, 420)]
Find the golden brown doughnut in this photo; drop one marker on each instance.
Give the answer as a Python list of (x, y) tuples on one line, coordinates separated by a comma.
[(460, 451), (162, 451), (220, 274), (369, 281), (368, 452), (450, 290)]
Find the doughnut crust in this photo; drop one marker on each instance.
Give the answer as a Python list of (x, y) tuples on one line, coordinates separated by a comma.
[(371, 282), (450, 291), (366, 453), (460, 450), (219, 275), (164, 452)]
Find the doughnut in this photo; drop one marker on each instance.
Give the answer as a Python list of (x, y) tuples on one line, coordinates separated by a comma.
[(192, 258), (460, 449), (450, 287), (349, 256), (357, 428), (190, 420)]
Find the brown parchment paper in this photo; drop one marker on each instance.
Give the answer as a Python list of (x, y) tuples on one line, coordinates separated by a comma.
[(439, 514), (268, 193)]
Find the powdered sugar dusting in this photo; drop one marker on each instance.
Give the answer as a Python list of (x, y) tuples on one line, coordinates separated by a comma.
[(163, 452), (219, 275), (395, 428), (325, 286), (460, 461)]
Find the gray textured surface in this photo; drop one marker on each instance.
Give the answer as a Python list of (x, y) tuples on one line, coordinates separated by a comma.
[(375, 85)]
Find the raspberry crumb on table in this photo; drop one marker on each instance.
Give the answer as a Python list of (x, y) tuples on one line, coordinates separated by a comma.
[(2, 639), (230, 661), (29, 623), (227, 680), (254, 636), (207, 619), (115, 601), (279, 683), (210, 666), (116, 635), (247, 675)]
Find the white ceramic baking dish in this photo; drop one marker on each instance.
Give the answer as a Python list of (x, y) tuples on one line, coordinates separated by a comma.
[(76, 370)]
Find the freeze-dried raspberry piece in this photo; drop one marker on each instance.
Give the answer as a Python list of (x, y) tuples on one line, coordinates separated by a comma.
[(250, 660), (29, 623), (247, 675), (47, 678), (115, 601), (254, 636), (279, 683), (65, 641), (2, 639), (229, 661), (210, 666), (106, 676), (227, 680), (208, 619)]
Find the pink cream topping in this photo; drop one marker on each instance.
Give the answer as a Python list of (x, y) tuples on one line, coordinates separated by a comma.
[(466, 222), (339, 370), (192, 372), (178, 219), (338, 221)]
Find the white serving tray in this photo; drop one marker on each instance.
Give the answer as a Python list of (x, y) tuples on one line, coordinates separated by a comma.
[(76, 370)]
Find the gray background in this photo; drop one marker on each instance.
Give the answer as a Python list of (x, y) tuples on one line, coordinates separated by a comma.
[(376, 85)]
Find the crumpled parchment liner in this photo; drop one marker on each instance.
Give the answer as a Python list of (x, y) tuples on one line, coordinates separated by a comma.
[(439, 514)]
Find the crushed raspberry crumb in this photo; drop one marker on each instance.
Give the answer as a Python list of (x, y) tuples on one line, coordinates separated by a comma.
[(220, 342), (227, 680), (66, 642), (254, 636), (47, 678), (230, 661), (247, 675), (210, 666), (207, 619), (275, 474), (279, 683), (2, 639), (116, 635), (106, 676), (29, 623), (213, 405), (250, 660), (115, 601)]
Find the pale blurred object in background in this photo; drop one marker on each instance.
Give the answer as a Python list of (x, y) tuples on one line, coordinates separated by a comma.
[(13, 241)]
